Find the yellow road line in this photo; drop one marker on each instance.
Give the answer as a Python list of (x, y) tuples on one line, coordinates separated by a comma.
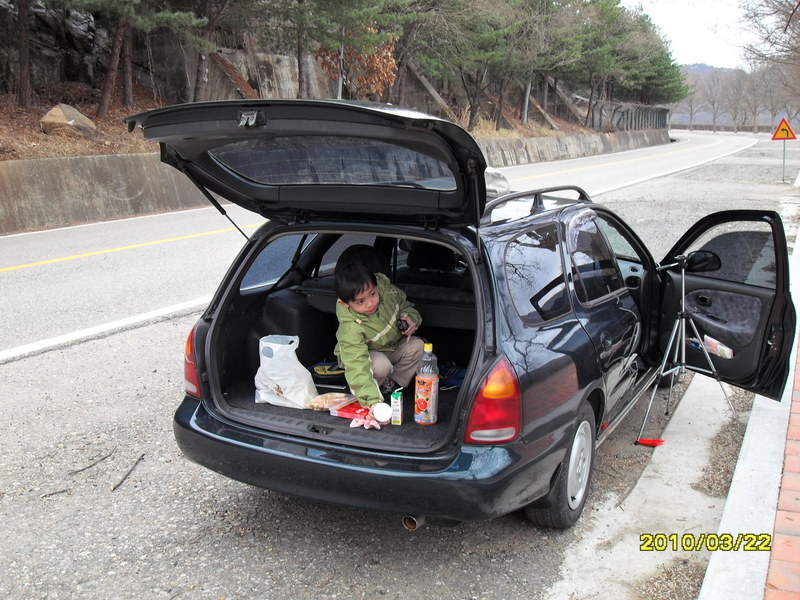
[(123, 248)]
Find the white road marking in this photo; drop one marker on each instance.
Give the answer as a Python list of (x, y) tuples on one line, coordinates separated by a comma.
[(84, 334)]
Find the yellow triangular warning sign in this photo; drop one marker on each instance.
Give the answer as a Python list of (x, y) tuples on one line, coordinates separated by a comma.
[(783, 132)]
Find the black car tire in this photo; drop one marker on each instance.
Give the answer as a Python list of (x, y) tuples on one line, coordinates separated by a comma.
[(569, 493)]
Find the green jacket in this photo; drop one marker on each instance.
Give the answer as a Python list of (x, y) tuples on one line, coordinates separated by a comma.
[(358, 334)]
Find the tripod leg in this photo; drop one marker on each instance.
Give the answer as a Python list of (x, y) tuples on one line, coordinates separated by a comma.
[(678, 349)]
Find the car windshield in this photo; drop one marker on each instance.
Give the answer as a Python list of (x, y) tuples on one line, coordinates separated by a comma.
[(332, 160)]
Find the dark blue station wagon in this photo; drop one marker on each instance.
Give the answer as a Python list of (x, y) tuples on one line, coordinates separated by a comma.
[(549, 304)]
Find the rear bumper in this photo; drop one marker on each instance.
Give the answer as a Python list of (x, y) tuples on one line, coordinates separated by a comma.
[(474, 483)]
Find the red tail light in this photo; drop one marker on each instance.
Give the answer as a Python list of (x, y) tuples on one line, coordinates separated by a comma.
[(191, 377), (496, 412)]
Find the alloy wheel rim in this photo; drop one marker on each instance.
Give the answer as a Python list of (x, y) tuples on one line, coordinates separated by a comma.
[(579, 465)]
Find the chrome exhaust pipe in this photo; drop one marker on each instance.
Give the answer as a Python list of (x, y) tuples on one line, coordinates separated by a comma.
[(413, 522)]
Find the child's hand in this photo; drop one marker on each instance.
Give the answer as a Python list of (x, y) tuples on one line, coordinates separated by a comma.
[(409, 329)]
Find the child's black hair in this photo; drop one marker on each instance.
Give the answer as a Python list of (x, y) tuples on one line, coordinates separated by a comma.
[(351, 280)]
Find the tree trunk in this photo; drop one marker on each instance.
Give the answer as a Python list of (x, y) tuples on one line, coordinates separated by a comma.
[(127, 71), (525, 102), (545, 99), (201, 79), (24, 85), (303, 87), (200, 91), (113, 64), (592, 88), (340, 77), (498, 119)]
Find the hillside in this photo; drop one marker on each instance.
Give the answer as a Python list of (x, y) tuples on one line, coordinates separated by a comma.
[(21, 137)]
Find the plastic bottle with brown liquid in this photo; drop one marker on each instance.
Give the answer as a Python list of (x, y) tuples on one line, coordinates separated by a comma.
[(426, 391)]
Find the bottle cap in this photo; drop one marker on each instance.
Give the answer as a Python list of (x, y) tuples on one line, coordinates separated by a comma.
[(428, 347)]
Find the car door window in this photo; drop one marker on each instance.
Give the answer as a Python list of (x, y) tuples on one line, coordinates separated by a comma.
[(594, 268), (621, 246), (746, 250), (535, 275)]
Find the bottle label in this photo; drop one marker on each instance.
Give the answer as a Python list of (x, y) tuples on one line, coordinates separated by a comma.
[(426, 399)]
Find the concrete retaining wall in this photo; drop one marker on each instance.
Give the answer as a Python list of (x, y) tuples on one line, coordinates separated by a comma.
[(46, 193), (53, 192), (508, 152)]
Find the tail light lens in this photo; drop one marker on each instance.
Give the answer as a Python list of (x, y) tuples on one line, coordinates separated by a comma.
[(496, 411), (191, 377)]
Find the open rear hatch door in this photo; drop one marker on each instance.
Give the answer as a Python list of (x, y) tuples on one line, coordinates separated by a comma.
[(300, 160)]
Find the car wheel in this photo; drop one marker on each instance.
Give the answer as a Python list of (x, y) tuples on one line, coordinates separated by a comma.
[(566, 500)]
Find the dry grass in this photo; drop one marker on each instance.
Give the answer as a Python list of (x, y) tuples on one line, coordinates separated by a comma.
[(486, 130), (21, 138)]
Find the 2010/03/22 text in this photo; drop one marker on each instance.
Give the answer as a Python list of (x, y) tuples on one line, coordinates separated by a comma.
[(691, 542)]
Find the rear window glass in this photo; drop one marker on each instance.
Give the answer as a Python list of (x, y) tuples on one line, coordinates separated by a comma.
[(536, 276), (329, 160)]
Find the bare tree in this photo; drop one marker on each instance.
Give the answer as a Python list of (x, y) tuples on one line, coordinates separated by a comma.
[(694, 102), (776, 23), (733, 102), (752, 95), (711, 89)]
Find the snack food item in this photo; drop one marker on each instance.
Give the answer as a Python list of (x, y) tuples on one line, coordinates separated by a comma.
[(351, 410), (330, 400)]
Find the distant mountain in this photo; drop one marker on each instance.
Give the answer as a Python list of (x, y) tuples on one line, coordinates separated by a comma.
[(701, 68)]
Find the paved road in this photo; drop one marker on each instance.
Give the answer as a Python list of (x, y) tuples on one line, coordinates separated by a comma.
[(77, 280)]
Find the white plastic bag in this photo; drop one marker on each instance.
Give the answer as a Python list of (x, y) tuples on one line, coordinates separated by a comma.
[(281, 379)]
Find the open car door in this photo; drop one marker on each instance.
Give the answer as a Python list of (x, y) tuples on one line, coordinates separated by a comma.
[(740, 304)]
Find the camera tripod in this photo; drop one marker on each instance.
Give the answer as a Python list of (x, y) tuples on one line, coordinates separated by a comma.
[(676, 348)]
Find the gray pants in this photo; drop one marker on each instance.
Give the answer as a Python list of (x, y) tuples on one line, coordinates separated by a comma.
[(401, 364)]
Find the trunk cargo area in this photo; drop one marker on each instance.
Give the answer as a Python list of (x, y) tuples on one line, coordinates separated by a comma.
[(305, 307)]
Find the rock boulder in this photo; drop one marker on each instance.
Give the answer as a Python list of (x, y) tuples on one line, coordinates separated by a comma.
[(66, 120)]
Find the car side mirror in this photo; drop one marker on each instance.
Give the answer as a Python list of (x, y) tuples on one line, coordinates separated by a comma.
[(702, 261)]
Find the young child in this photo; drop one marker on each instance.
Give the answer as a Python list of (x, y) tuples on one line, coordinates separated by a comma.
[(370, 346)]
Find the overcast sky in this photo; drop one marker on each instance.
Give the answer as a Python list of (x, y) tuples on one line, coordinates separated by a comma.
[(699, 31)]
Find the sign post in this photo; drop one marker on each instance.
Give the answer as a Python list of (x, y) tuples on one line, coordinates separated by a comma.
[(783, 132)]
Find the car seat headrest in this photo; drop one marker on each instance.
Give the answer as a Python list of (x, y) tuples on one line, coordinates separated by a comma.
[(431, 256)]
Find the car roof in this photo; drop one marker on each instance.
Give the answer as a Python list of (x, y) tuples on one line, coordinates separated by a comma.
[(304, 159)]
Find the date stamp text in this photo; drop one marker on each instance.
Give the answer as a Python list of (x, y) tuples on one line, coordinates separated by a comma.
[(695, 542)]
